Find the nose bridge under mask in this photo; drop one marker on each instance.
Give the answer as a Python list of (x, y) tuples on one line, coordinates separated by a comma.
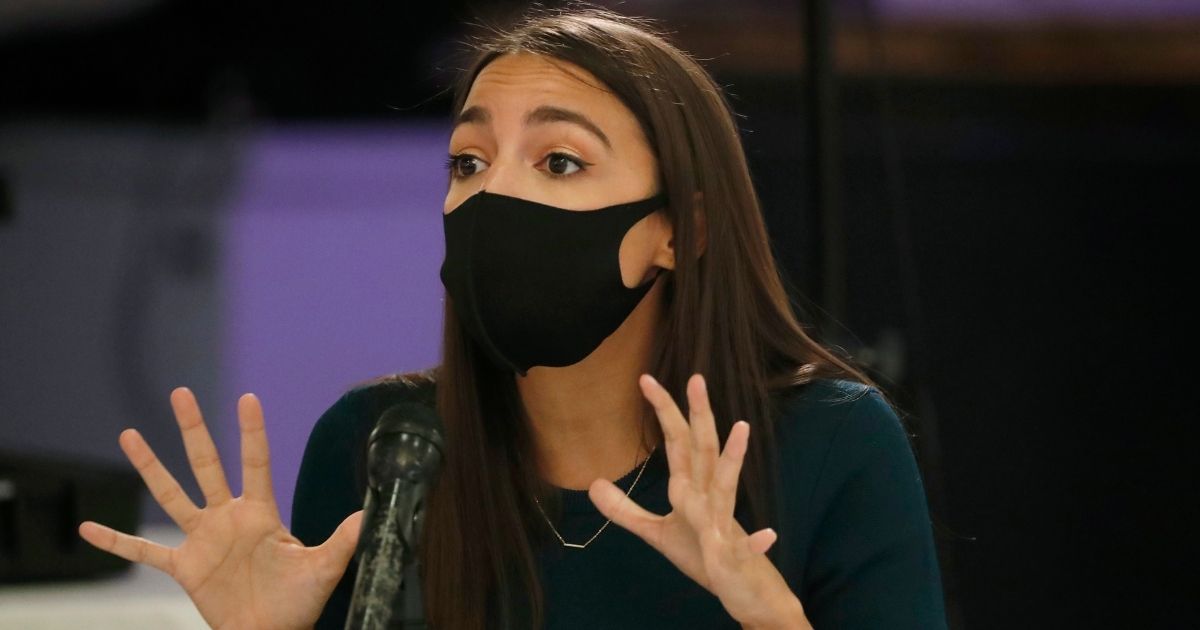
[(497, 179)]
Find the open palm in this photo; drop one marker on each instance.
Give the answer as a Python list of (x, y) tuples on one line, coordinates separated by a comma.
[(238, 564), (700, 535)]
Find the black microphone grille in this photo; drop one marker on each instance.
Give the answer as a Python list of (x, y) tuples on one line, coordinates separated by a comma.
[(412, 418)]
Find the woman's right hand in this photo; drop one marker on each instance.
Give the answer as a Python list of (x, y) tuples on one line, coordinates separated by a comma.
[(239, 565)]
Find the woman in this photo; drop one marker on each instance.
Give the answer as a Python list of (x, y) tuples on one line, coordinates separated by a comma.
[(601, 227)]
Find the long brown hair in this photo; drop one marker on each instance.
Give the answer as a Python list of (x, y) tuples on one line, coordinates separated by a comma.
[(727, 315)]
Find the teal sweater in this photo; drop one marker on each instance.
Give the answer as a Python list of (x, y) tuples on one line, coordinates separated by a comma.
[(855, 542)]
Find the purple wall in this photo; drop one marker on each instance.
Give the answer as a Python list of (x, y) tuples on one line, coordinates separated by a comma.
[(333, 241)]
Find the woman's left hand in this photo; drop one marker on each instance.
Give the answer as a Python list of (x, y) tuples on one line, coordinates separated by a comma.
[(700, 536)]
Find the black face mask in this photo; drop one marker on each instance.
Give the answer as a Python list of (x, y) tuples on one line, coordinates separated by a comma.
[(539, 285)]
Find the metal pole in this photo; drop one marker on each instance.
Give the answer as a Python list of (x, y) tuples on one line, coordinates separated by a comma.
[(824, 160)]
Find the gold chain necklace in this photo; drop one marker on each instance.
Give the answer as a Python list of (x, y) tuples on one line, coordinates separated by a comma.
[(606, 523)]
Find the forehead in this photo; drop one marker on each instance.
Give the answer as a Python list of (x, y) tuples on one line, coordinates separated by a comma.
[(515, 83)]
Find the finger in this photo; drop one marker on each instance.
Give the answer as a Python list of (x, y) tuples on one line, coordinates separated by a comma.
[(723, 495), (256, 457), (705, 444), (201, 451), (761, 540), (163, 487), (675, 429), (132, 548), (614, 504), (339, 548)]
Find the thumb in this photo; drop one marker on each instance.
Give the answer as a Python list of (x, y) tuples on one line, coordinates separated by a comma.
[(337, 551)]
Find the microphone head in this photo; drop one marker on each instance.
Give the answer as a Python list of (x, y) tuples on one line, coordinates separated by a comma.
[(406, 443), (409, 417)]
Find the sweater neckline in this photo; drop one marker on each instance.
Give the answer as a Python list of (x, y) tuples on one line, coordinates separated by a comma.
[(578, 501)]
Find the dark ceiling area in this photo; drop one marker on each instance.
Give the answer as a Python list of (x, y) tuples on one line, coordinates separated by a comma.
[(190, 60), (187, 60)]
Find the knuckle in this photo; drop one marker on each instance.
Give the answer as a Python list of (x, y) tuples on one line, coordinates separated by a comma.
[(169, 495), (189, 422), (146, 464), (252, 428), (256, 462), (206, 460)]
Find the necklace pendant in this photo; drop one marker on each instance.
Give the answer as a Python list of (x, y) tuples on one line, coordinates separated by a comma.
[(574, 545)]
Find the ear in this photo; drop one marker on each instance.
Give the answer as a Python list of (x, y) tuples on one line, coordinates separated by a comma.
[(666, 254)]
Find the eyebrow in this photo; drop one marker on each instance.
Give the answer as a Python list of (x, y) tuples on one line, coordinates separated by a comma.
[(540, 116)]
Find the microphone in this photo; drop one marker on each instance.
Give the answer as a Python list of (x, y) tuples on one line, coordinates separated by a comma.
[(404, 455)]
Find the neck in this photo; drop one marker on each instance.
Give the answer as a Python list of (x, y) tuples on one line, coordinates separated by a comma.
[(590, 419)]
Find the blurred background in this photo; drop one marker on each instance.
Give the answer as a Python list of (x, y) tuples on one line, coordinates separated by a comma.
[(985, 201)]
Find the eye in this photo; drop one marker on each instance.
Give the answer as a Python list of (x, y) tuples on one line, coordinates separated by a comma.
[(464, 165), (562, 164)]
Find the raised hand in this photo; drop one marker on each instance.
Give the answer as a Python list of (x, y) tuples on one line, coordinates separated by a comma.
[(700, 536), (238, 564)]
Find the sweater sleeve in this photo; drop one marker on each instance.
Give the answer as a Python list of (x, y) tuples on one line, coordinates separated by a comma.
[(326, 494), (872, 562)]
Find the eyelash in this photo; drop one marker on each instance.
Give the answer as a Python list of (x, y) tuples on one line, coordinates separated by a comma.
[(453, 160)]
